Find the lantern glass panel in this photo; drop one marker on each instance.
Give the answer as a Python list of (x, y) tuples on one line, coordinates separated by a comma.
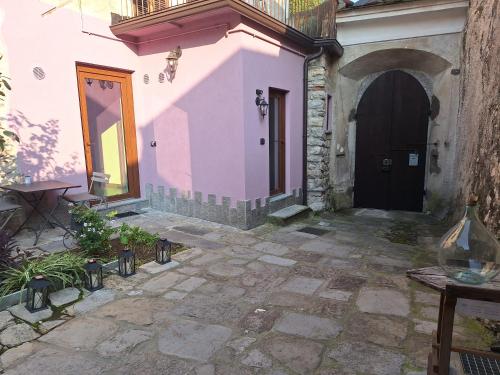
[(126, 263), (93, 280), (37, 294), (163, 251)]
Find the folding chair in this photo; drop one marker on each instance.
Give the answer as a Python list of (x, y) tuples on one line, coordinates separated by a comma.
[(7, 210), (86, 198)]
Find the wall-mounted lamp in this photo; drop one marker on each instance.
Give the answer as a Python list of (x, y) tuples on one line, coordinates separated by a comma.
[(261, 103), (172, 62)]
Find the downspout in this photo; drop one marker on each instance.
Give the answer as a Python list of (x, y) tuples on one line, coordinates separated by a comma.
[(305, 107)]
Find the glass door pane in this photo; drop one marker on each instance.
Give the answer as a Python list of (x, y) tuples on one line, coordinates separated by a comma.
[(106, 135), (273, 144)]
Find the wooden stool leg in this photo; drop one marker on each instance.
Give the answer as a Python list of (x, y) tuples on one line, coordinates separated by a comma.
[(446, 334)]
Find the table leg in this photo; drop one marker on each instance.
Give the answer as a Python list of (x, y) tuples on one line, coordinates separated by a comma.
[(28, 217), (446, 333)]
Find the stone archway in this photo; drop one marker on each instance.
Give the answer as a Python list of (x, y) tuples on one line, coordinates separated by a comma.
[(394, 58)]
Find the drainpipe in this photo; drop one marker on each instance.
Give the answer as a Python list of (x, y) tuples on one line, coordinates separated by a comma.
[(307, 60)]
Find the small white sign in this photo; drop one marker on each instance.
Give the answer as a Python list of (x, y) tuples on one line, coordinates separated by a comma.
[(413, 159)]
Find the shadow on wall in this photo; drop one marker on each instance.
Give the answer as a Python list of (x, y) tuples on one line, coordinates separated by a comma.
[(37, 155)]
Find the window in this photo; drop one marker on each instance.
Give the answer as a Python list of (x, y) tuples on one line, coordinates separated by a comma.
[(328, 125)]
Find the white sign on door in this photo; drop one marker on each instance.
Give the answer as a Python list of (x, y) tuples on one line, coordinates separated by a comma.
[(413, 159)]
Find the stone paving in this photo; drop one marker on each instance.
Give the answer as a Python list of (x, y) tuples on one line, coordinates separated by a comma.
[(272, 301)]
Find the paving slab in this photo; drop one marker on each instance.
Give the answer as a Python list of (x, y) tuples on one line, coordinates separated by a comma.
[(17, 334), (11, 356), (381, 330), (339, 295), (135, 310), (123, 341), (383, 301), (279, 261), (240, 344), (83, 333), (271, 248), (259, 320), (301, 356), (50, 325), (190, 284), (225, 270), (6, 319), (207, 259), (302, 285), (20, 311), (154, 267), (243, 252), (160, 284), (64, 297), (318, 246), (192, 340), (191, 271), (187, 254), (255, 358), (174, 295), (211, 308), (308, 326), (94, 300), (52, 361), (367, 358)]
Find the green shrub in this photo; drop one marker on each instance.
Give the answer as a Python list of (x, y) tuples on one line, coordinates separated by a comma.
[(94, 235), (136, 237), (59, 269)]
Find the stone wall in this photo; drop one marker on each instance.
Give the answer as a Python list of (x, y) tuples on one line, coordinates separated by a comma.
[(478, 164), (243, 216), (318, 141)]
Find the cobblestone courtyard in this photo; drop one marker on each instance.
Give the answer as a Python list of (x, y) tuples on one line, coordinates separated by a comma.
[(273, 300)]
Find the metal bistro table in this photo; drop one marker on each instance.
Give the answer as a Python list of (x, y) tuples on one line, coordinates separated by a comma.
[(451, 290), (33, 195)]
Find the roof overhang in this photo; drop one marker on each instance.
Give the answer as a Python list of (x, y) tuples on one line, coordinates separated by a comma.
[(134, 29)]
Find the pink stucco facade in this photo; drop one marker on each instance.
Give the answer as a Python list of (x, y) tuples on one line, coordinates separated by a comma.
[(205, 122)]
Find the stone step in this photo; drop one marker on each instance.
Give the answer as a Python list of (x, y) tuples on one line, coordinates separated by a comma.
[(288, 214)]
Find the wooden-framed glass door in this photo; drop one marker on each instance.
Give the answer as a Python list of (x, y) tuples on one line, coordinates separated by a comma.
[(108, 127), (276, 142)]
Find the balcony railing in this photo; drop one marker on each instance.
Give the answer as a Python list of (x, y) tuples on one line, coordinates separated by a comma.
[(315, 18)]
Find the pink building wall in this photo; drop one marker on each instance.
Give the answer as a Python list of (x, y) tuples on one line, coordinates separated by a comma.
[(205, 123)]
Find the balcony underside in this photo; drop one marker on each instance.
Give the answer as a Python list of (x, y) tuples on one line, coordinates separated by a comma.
[(176, 19)]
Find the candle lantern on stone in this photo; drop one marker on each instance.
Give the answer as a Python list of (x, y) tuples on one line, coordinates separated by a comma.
[(126, 263), (163, 251), (37, 294), (93, 275)]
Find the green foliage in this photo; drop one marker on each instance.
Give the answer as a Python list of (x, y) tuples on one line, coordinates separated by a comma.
[(297, 6), (5, 134), (94, 235), (136, 237), (59, 269)]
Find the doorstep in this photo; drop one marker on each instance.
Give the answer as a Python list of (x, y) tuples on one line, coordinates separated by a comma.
[(134, 204)]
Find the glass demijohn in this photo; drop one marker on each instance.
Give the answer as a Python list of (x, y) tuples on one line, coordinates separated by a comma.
[(93, 275), (37, 294), (126, 263), (468, 252)]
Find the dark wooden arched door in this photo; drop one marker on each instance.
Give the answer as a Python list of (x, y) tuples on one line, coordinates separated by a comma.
[(391, 143)]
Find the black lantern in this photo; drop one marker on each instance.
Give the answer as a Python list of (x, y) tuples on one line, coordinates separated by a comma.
[(163, 251), (126, 263), (93, 275), (37, 294), (261, 103)]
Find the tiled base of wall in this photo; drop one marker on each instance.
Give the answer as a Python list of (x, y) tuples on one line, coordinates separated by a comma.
[(242, 216)]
